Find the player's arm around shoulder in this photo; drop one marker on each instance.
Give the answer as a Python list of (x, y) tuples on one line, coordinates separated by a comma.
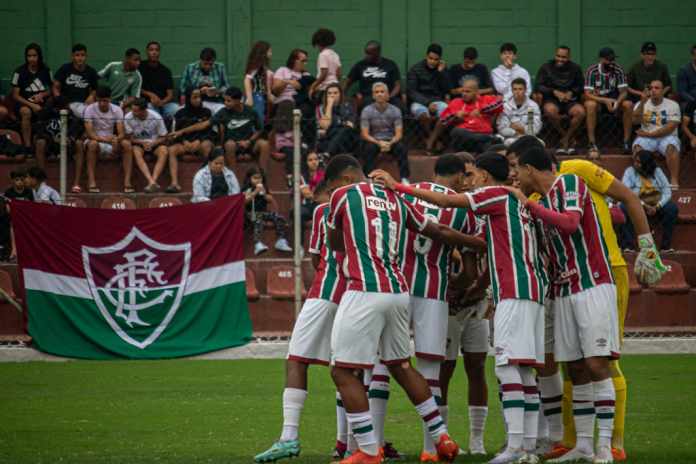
[(451, 237)]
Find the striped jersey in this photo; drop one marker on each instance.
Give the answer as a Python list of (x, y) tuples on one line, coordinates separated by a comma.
[(426, 262), (373, 221), (581, 259), (329, 283), (513, 256)]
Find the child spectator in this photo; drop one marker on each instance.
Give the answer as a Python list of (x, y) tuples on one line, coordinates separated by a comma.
[(19, 189), (336, 118), (328, 62), (191, 131), (214, 179), (258, 80), (312, 178), (31, 84), (258, 201), (47, 139), (43, 193)]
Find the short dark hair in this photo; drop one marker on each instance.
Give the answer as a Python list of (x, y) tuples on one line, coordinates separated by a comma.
[(294, 56), (508, 47), (103, 92), (693, 48), (208, 54), (140, 102), (520, 81), (17, 173), (78, 47), (523, 144), (466, 157), (497, 147), (563, 47), (132, 51), (323, 37), (535, 157), (216, 153), (495, 164), (153, 42), (449, 164), (470, 53), (339, 164), (234, 93), (321, 187), (373, 44), (37, 173), (434, 48)]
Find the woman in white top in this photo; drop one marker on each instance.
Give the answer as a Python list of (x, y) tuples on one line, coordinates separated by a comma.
[(328, 62), (258, 79)]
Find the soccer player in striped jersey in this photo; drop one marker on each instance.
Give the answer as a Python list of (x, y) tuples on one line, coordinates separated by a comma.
[(310, 342), (519, 285), (586, 323), (369, 223)]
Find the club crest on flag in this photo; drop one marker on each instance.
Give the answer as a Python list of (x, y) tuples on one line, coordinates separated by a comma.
[(137, 284)]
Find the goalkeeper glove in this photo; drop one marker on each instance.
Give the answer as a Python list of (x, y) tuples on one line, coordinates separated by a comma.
[(649, 267)]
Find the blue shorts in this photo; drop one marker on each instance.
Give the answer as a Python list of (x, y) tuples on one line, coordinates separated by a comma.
[(418, 109)]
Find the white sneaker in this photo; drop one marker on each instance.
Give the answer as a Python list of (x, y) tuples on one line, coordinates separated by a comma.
[(405, 181), (282, 245), (529, 458), (575, 455), (508, 457), (259, 248), (603, 455)]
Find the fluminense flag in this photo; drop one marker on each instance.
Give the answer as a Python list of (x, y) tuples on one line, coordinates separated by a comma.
[(147, 283)]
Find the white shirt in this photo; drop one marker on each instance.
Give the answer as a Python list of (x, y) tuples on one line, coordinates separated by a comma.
[(502, 79), (520, 115), (658, 116), (46, 194), (330, 60), (104, 124), (147, 129)]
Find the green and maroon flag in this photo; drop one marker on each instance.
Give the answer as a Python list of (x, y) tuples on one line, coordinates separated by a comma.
[(148, 283)]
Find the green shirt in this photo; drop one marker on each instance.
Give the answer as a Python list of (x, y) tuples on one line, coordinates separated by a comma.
[(640, 77), (239, 125), (123, 84)]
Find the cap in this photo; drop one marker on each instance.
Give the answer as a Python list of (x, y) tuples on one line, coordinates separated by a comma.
[(648, 47), (607, 53)]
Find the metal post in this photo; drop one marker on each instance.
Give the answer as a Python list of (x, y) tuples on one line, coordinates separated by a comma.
[(63, 153), (297, 219)]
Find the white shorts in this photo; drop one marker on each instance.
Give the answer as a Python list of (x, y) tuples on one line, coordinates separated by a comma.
[(105, 148), (429, 321), (468, 332), (518, 333), (586, 324), (310, 342), (367, 323), (78, 109), (548, 326), (658, 144)]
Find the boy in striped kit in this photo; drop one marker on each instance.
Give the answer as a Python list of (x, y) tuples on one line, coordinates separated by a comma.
[(519, 285), (369, 224), (586, 327), (310, 342)]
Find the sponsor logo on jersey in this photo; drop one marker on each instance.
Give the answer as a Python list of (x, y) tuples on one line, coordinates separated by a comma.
[(379, 204)]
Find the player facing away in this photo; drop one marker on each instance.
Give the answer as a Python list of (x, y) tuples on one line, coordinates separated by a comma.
[(310, 342), (519, 285), (368, 223), (426, 266), (585, 327)]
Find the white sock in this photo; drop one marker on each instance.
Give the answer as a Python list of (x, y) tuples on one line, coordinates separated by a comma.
[(604, 402), (363, 431), (341, 421), (477, 424), (551, 390), (531, 408), (430, 370), (444, 412), (542, 426), (430, 414), (584, 415), (352, 444), (513, 404), (293, 402), (378, 395)]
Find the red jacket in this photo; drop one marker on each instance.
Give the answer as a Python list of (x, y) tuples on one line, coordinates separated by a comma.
[(488, 105)]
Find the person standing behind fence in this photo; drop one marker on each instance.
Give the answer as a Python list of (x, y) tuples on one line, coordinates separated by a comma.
[(258, 80), (328, 62)]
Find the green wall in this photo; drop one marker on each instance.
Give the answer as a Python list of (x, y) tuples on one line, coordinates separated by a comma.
[(405, 28)]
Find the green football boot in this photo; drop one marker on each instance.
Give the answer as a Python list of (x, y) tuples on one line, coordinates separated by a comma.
[(279, 450)]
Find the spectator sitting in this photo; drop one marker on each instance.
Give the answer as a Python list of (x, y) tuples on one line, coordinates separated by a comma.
[(123, 78), (105, 135), (468, 69), (47, 139), (312, 171), (31, 84), (77, 81), (313, 198), (191, 129), (208, 76), (43, 193), (214, 179), (689, 123), (606, 90), (472, 115), (239, 130), (686, 79), (147, 135), (336, 123), (381, 131), (258, 201), (19, 189), (258, 80), (515, 120), (328, 62), (560, 83), (158, 85), (648, 181), (374, 68), (659, 118), (286, 79), (645, 71), (427, 88), (507, 71)]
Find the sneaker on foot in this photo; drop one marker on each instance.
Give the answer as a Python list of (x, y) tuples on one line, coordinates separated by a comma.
[(260, 247), (279, 450), (447, 449), (429, 457), (529, 458), (391, 453), (619, 454), (360, 457), (557, 451), (603, 455), (507, 457), (282, 245), (575, 455)]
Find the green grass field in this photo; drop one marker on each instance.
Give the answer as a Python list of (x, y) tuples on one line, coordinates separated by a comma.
[(226, 411)]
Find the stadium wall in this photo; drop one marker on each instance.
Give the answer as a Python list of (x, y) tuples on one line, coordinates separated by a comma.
[(405, 28)]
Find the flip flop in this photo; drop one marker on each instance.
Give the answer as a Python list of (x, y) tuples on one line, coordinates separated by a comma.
[(128, 189), (76, 189), (94, 189)]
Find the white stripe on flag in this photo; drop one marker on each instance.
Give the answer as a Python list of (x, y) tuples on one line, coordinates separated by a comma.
[(77, 287)]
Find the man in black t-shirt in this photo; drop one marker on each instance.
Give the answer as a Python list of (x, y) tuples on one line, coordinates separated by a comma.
[(47, 137), (31, 87), (469, 69), (689, 123), (76, 81), (374, 68), (19, 190), (158, 85)]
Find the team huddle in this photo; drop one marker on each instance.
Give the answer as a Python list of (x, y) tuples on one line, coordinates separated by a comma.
[(514, 239)]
